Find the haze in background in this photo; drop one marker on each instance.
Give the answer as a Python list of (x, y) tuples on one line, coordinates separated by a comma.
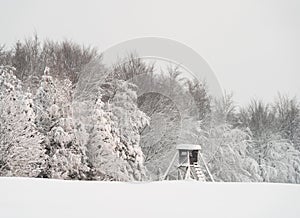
[(253, 46)]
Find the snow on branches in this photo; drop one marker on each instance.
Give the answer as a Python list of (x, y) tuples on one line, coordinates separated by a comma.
[(21, 151), (66, 154)]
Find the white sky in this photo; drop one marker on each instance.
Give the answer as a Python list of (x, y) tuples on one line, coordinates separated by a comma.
[(253, 46)]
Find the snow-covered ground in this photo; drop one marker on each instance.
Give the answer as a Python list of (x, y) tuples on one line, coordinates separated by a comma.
[(42, 198)]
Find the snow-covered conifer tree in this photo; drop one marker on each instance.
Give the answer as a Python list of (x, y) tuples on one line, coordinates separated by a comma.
[(103, 144), (130, 121), (21, 152), (66, 152)]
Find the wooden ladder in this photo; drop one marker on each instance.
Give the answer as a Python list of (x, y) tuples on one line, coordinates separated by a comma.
[(199, 173)]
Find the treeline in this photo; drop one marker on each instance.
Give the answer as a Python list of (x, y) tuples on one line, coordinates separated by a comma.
[(65, 115), (30, 57)]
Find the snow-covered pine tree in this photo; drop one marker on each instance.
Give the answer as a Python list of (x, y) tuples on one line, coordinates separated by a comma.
[(103, 144), (106, 124), (130, 121), (66, 153), (21, 152), (113, 128)]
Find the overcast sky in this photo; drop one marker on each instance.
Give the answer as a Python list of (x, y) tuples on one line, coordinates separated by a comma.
[(253, 46)]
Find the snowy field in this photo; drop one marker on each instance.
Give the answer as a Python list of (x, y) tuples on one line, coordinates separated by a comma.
[(52, 198)]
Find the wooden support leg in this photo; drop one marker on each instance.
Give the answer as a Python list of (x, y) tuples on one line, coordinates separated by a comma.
[(168, 170)]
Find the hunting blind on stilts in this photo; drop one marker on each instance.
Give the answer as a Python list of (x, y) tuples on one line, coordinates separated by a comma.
[(191, 164)]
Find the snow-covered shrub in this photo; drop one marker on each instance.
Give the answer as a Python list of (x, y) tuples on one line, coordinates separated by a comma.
[(226, 153), (21, 152), (279, 161)]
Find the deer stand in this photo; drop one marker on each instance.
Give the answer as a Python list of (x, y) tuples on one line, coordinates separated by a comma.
[(189, 164)]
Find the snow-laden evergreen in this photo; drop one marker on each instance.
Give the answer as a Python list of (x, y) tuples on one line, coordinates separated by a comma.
[(113, 129), (66, 154), (130, 121), (21, 149), (103, 144)]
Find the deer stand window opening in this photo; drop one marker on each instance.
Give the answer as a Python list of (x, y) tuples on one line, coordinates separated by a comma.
[(193, 156), (188, 157)]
